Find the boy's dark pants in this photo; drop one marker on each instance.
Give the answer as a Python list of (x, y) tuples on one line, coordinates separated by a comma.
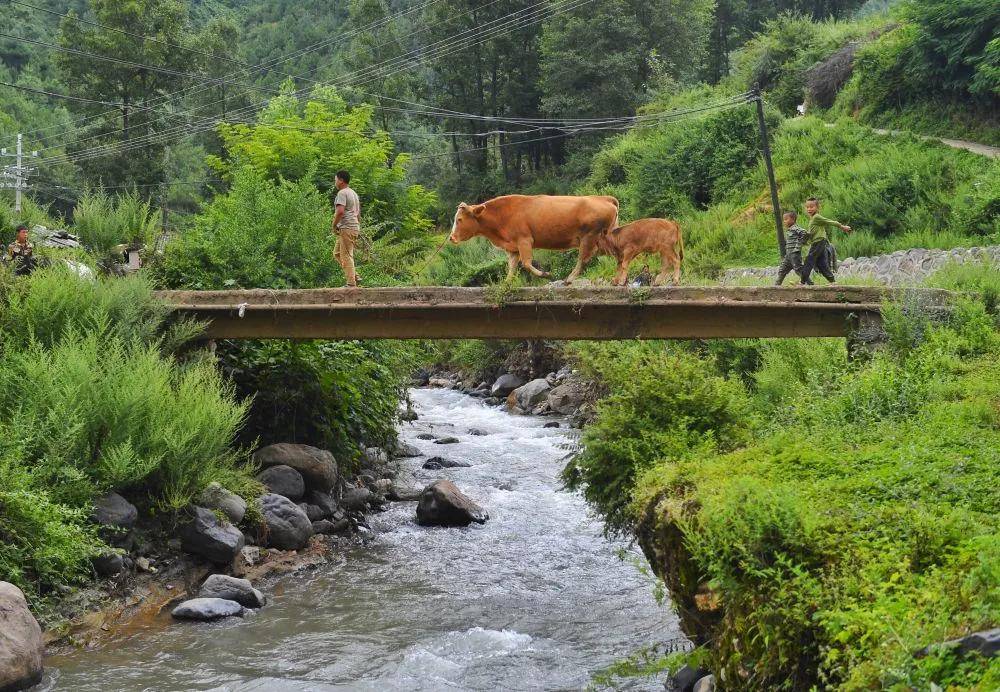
[(792, 260), (819, 259)]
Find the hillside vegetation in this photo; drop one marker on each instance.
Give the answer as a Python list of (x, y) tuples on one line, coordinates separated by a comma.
[(818, 521)]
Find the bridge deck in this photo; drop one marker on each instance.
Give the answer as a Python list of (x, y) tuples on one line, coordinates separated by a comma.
[(551, 312)]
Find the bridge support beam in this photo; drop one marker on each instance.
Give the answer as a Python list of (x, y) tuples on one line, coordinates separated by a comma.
[(600, 313)]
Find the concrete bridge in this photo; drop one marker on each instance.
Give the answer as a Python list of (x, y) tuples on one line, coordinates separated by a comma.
[(551, 312)]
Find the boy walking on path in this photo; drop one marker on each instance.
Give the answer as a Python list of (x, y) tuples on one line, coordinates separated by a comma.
[(794, 237), (819, 242), (347, 226)]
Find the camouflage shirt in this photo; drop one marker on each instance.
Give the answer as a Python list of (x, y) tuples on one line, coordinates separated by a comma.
[(795, 235), (17, 251)]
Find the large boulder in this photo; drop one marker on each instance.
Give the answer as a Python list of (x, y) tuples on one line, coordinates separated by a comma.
[(443, 504), (107, 565), (317, 466), (532, 394), (232, 589), (214, 496), (505, 384), (207, 609), (21, 643), (568, 397), (355, 499), (404, 450), (116, 516), (210, 537), (288, 527), (437, 463), (283, 480), (324, 501)]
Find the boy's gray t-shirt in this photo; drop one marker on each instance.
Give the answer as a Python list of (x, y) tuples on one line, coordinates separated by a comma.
[(348, 198)]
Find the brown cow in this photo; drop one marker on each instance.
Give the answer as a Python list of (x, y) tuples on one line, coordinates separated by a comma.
[(519, 224), (658, 236)]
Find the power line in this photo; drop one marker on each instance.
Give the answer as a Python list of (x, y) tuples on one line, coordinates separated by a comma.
[(57, 95), (143, 37), (282, 59), (442, 48)]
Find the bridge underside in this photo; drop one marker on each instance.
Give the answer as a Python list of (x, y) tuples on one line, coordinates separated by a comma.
[(558, 312)]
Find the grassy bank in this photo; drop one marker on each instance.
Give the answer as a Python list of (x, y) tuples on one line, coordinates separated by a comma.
[(818, 521), (94, 398)]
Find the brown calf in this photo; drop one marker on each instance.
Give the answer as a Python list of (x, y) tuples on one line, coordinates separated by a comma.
[(655, 236)]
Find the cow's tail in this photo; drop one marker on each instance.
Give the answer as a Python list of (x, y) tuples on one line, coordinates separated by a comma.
[(679, 245)]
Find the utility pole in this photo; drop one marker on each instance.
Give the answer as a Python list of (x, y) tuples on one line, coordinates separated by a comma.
[(17, 173), (765, 148)]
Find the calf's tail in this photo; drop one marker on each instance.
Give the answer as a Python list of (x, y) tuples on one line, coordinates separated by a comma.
[(679, 245)]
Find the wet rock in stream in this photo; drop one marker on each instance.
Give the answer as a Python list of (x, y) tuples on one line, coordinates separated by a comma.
[(443, 504)]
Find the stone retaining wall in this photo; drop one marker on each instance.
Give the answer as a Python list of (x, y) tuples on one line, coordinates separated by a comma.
[(901, 268)]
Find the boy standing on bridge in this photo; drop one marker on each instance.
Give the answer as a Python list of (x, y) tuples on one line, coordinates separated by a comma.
[(347, 226), (794, 237), (819, 243)]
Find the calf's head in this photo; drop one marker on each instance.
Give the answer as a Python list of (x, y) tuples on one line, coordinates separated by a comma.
[(466, 224)]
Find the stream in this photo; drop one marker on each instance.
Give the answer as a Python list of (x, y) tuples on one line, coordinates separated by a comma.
[(536, 598)]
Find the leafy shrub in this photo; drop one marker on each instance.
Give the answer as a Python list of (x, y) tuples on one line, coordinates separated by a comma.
[(90, 401), (661, 404), (103, 221), (332, 394)]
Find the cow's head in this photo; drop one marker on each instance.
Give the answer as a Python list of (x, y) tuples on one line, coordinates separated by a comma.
[(466, 223), (607, 244)]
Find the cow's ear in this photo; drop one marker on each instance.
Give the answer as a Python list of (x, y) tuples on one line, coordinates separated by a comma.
[(478, 209), (463, 205)]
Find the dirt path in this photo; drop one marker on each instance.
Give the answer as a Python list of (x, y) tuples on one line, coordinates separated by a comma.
[(974, 147)]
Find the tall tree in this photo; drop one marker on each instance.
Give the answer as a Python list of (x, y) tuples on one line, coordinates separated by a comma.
[(377, 55), (130, 88), (490, 71)]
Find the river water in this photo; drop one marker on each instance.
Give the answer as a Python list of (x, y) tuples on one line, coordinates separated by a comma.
[(536, 598)]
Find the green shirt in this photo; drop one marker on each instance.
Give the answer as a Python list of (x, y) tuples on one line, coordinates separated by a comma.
[(818, 226)]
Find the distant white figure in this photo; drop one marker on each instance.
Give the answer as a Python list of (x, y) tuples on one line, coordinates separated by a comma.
[(801, 109)]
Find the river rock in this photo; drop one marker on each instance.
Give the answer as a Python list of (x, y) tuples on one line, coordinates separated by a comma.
[(505, 384), (325, 501), (425, 436), (443, 504), (288, 527), (213, 539), (552, 424), (567, 397), (327, 527), (108, 565), (116, 516), (686, 677), (374, 457), (706, 684), (283, 480), (232, 589), (355, 499), (532, 394), (403, 493), (207, 609), (478, 432), (435, 463), (214, 496), (317, 466), (21, 645), (312, 511), (404, 450)]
